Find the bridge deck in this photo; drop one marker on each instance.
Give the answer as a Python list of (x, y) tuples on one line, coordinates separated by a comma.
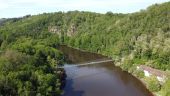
[(87, 63)]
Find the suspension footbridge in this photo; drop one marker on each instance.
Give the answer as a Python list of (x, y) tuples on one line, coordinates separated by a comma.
[(99, 61)]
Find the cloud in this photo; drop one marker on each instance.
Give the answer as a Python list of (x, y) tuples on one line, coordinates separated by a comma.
[(3, 4), (75, 3), (71, 3), (102, 6)]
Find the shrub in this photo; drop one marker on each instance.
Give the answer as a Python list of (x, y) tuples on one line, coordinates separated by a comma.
[(152, 83)]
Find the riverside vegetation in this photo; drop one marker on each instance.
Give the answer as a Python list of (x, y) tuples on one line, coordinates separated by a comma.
[(28, 45)]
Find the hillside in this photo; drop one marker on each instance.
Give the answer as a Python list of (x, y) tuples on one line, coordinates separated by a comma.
[(131, 39), (2, 21)]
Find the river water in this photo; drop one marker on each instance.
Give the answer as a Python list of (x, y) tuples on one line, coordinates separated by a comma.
[(102, 79)]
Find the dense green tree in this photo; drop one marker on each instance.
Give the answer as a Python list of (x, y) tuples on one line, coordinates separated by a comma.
[(153, 84), (166, 88), (28, 45)]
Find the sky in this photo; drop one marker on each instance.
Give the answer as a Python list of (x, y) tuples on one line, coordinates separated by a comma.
[(17, 8)]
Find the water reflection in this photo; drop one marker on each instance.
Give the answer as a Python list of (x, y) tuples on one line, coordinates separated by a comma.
[(99, 79)]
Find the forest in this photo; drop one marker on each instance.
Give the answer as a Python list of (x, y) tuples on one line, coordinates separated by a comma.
[(26, 62), (29, 54)]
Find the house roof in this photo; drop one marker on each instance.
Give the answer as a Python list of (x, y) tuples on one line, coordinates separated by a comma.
[(152, 71)]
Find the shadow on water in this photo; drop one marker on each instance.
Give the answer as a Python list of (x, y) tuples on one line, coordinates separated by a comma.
[(104, 79), (69, 89)]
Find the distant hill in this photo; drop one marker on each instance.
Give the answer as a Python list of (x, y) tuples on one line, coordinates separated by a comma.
[(2, 21), (143, 34), (131, 39)]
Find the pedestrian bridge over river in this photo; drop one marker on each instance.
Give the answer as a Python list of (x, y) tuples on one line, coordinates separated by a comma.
[(98, 61)]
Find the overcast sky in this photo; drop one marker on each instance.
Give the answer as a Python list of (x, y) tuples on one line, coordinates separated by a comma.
[(16, 8)]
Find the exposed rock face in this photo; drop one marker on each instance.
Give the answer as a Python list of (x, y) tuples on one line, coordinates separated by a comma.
[(72, 30), (58, 30), (54, 29)]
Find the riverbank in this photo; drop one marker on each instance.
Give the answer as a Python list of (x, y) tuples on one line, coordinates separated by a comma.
[(84, 56), (158, 88), (132, 70)]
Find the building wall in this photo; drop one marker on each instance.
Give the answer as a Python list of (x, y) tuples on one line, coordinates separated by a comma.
[(161, 79), (146, 73)]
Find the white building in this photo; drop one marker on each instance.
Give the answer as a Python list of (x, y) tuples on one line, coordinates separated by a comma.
[(148, 71)]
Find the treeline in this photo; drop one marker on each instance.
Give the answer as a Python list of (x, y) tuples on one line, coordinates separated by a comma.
[(28, 61), (132, 39)]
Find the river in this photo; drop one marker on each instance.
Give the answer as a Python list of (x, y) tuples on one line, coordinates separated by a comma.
[(104, 79)]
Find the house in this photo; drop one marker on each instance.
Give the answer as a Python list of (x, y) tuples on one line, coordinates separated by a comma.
[(148, 71)]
